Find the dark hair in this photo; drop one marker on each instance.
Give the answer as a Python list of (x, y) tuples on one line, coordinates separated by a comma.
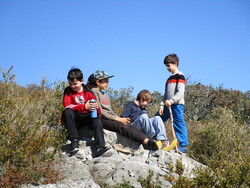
[(144, 95), (171, 58), (75, 74), (91, 81)]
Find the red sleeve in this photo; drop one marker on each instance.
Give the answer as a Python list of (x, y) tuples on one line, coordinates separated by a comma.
[(67, 99)]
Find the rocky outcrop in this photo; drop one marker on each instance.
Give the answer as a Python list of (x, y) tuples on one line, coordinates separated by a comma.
[(125, 162)]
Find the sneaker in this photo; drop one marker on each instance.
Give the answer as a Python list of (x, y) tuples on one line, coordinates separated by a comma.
[(171, 146), (74, 145), (101, 151), (159, 144), (183, 150), (155, 145)]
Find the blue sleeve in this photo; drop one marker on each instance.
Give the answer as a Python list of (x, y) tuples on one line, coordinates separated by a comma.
[(127, 110)]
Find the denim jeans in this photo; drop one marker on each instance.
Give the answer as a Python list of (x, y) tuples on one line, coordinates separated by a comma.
[(153, 127)]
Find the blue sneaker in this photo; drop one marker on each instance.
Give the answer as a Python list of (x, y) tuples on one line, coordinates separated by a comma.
[(183, 150)]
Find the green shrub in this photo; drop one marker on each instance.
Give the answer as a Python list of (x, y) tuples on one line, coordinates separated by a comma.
[(222, 144), (120, 98), (29, 118), (148, 182), (200, 100)]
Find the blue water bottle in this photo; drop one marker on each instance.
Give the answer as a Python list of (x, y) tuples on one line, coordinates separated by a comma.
[(93, 114)]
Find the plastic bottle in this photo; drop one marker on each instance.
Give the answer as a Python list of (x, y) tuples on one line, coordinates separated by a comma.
[(93, 114)]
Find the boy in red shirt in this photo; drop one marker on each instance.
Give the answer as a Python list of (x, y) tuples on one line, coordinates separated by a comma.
[(76, 114)]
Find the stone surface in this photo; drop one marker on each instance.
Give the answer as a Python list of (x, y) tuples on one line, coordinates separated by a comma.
[(82, 169)]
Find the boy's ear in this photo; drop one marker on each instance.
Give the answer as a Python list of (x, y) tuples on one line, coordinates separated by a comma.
[(82, 80)]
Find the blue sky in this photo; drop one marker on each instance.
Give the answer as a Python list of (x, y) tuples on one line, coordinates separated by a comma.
[(128, 39)]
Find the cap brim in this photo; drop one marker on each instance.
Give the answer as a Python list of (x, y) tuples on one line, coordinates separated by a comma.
[(107, 77)]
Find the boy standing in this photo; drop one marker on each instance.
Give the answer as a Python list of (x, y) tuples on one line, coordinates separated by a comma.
[(153, 127), (174, 98), (76, 101)]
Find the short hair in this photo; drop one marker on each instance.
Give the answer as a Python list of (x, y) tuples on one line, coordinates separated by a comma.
[(91, 81), (75, 74), (171, 58), (144, 95)]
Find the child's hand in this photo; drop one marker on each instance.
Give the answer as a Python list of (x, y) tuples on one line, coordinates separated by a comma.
[(91, 106), (125, 121), (71, 106), (161, 110), (168, 103)]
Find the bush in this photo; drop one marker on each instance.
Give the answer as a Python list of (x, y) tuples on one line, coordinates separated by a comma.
[(200, 100), (222, 144), (28, 121), (120, 98)]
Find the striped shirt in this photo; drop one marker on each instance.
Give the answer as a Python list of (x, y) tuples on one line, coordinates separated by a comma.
[(174, 89)]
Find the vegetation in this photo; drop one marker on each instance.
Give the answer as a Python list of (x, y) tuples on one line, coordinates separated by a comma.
[(218, 121), (28, 133)]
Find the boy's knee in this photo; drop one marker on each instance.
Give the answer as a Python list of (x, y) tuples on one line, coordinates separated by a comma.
[(68, 111), (157, 118), (144, 116), (96, 122)]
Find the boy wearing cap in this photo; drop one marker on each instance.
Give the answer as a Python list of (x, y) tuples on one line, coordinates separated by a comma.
[(77, 108), (99, 82)]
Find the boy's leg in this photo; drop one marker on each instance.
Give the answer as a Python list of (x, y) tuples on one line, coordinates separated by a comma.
[(165, 116), (179, 124), (125, 130), (159, 128), (70, 121), (144, 124), (96, 125)]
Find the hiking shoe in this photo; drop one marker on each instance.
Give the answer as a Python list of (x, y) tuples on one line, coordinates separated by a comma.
[(74, 145), (155, 145), (159, 144), (183, 150), (101, 151)]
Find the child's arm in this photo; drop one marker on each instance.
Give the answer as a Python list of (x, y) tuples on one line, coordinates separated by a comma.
[(162, 103), (123, 120), (83, 108), (107, 110), (67, 100)]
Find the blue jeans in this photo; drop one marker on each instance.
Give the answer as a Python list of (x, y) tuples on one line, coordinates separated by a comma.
[(179, 123), (153, 127)]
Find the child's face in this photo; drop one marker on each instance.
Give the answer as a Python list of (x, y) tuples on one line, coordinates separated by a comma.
[(103, 84), (171, 67), (76, 85), (143, 104)]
